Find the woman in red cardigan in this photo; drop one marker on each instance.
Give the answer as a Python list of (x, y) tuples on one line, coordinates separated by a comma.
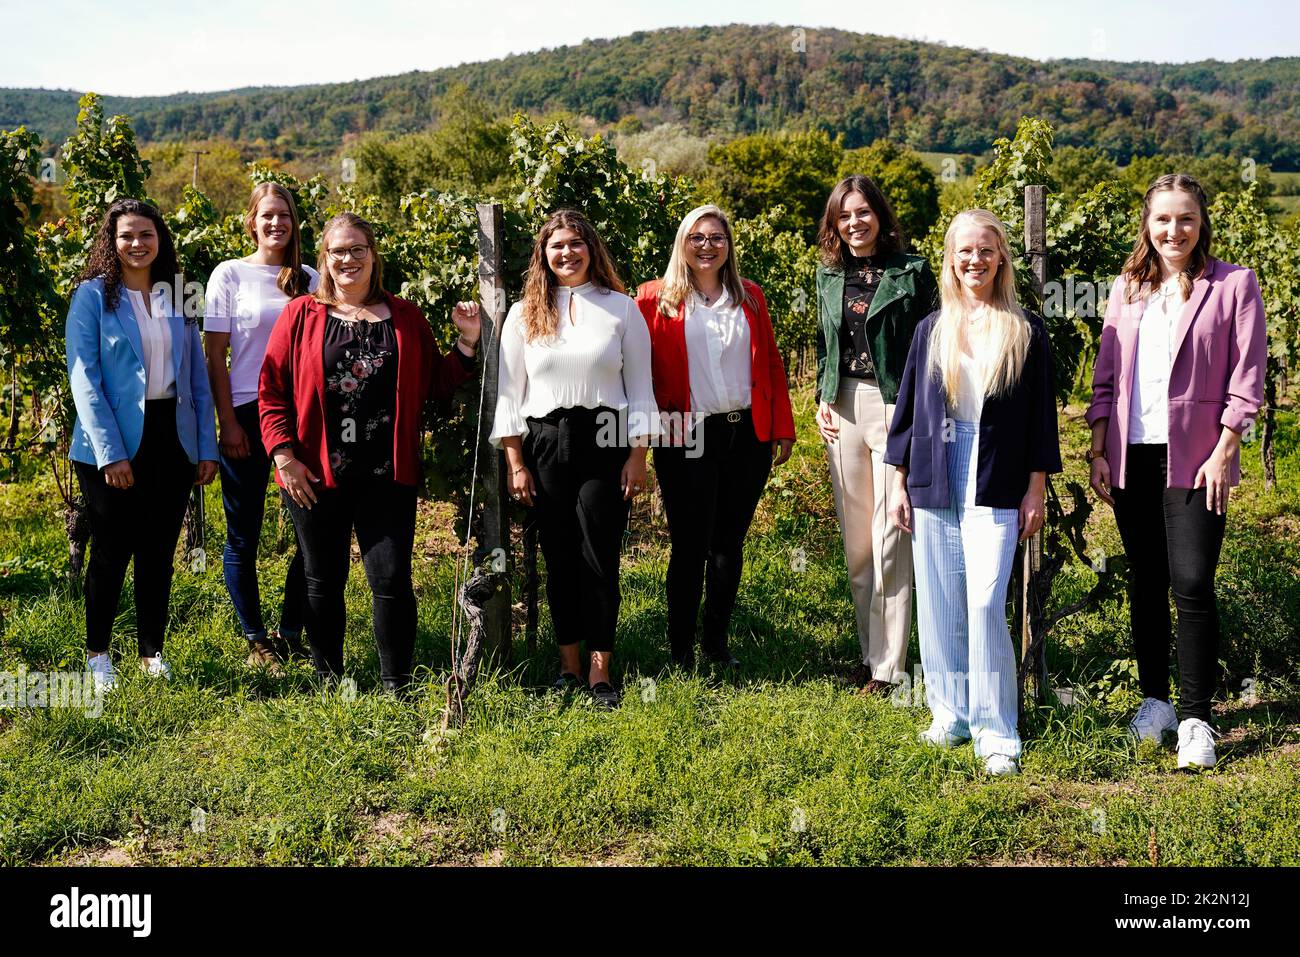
[(721, 390), (341, 399)]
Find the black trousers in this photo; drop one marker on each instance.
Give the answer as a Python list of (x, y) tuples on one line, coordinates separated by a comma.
[(1170, 539), (383, 513), (710, 502), (580, 515), (142, 522)]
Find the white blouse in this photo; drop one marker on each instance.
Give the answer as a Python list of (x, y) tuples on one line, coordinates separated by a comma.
[(972, 377), (1148, 411), (718, 356), (156, 343), (600, 357)]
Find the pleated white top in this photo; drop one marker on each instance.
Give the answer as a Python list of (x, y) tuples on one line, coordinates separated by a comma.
[(599, 357)]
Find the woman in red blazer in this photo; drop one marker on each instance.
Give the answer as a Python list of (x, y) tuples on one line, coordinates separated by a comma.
[(341, 400), (721, 390), (1179, 377)]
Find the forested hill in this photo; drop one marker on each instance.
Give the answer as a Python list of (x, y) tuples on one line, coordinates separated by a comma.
[(734, 79)]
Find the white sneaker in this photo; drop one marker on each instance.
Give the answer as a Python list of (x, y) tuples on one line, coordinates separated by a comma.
[(1153, 719), (1196, 744), (102, 671), (1001, 765), (937, 736), (155, 667)]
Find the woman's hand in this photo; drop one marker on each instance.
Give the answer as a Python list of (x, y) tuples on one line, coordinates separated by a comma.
[(900, 513), (826, 423), (207, 472), (1099, 479), (633, 478), (781, 450), (520, 483), (1213, 474), (233, 440), (297, 481), (118, 474), (466, 317), (1032, 507)]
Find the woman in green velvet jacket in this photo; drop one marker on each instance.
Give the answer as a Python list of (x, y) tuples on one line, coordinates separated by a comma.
[(871, 296)]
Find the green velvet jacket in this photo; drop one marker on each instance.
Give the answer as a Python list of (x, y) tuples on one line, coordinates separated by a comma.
[(906, 295)]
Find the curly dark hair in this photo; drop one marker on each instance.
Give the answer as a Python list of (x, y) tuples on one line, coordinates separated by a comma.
[(104, 260)]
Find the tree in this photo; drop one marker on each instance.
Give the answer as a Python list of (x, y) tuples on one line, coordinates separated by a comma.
[(754, 174)]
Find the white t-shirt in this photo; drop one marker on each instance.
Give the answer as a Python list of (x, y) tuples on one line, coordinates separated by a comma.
[(243, 300), (601, 357), (718, 356), (1148, 411)]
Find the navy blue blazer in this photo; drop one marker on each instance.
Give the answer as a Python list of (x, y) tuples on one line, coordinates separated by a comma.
[(1017, 433)]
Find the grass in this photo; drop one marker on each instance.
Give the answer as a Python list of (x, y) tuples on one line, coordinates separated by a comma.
[(782, 766)]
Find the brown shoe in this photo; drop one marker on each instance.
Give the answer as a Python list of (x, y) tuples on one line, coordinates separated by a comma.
[(859, 676), (261, 654), (876, 688)]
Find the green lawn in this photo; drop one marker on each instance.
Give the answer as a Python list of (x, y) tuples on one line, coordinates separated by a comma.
[(781, 766)]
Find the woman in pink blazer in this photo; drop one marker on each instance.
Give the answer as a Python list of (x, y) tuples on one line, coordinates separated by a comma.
[(1178, 379)]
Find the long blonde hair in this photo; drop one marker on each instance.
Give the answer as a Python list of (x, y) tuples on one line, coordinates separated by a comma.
[(1007, 328), (678, 281)]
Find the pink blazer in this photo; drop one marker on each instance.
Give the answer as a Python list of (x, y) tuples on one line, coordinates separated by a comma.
[(1217, 377)]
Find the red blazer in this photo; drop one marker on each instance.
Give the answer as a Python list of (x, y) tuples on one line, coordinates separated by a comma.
[(291, 390), (770, 398)]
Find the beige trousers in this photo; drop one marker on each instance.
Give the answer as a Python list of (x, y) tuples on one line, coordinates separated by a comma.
[(878, 555)]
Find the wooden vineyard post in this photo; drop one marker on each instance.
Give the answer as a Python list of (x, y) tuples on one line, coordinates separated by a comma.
[(1033, 657), (496, 519)]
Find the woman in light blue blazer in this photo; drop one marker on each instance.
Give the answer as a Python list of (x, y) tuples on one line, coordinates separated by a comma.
[(144, 433)]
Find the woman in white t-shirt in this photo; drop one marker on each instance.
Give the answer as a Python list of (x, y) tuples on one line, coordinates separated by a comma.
[(575, 411), (244, 299)]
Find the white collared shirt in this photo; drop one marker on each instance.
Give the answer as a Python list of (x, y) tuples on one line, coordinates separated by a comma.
[(1148, 411), (156, 343), (718, 355), (599, 357)]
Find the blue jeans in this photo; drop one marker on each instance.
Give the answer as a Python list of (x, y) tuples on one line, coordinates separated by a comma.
[(243, 494), (963, 557)]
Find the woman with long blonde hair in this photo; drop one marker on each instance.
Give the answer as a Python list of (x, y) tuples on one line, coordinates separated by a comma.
[(973, 438), (575, 412), (721, 388)]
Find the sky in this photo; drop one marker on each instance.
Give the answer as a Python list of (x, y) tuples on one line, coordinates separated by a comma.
[(166, 47)]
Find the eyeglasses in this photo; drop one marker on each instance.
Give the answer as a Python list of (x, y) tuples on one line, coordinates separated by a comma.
[(984, 253), (342, 252), (697, 240)]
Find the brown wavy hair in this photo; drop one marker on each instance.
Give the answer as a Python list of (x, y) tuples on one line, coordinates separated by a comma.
[(834, 249), (327, 292), (104, 261), (293, 281), (540, 315), (1142, 268)]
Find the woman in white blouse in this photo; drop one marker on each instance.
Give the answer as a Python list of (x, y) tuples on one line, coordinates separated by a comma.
[(721, 387), (575, 412), (144, 433), (244, 299)]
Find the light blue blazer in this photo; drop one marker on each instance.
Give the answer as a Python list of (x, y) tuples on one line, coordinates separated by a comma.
[(106, 369)]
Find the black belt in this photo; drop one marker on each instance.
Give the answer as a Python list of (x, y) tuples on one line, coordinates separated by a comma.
[(731, 418)]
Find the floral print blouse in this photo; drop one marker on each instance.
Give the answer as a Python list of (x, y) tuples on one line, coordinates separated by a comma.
[(360, 360)]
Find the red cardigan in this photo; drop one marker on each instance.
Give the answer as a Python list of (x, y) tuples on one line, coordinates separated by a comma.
[(291, 390), (770, 397)]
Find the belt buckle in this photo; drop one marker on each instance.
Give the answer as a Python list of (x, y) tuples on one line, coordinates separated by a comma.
[(733, 417)]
